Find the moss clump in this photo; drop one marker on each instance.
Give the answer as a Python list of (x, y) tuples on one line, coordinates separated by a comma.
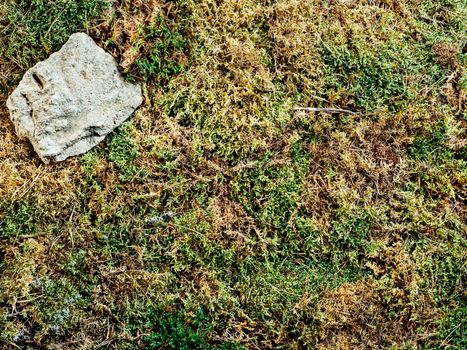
[(34, 29)]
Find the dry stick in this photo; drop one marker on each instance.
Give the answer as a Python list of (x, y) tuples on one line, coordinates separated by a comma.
[(30, 183), (327, 110)]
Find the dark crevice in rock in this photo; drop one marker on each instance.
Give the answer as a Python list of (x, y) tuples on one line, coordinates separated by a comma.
[(39, 80), (30, 110)]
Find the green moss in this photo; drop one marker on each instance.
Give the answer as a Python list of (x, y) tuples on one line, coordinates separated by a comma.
[(371, 80), (451, 330), (160, 44), (177, 330), (55, 310), (34, 29), (348, 238), (269, 193), (76, 264), (20, 218), (123, 151), (434, 147)]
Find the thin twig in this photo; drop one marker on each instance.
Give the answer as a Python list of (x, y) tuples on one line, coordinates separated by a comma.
[(444, 342), (326, 110), (30, 183)]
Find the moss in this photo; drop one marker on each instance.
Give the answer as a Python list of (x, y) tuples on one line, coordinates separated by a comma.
[(452, 329), (21, 218), (221, 216), (123, 152), (371, 81), (175, 330), (162, 45), (34, 29)]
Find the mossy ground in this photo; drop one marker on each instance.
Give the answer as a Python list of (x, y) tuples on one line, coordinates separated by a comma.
[(219, 216)]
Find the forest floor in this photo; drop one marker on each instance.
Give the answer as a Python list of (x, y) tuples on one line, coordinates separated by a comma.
[(223, 215)]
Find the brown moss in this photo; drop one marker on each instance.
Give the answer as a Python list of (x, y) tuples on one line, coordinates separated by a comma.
[(446, 53), (295, 40), (355, 316)]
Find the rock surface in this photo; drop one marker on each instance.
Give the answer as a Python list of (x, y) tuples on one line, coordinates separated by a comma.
[(68, 103)]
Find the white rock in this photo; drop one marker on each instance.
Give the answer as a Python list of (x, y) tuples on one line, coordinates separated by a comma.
[(68, 103)]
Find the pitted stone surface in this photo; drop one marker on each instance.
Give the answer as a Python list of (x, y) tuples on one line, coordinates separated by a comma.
[(68, 103)]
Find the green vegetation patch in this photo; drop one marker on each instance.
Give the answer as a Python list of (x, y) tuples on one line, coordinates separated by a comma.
[(31, 30), (179, 330), (160, 45)]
